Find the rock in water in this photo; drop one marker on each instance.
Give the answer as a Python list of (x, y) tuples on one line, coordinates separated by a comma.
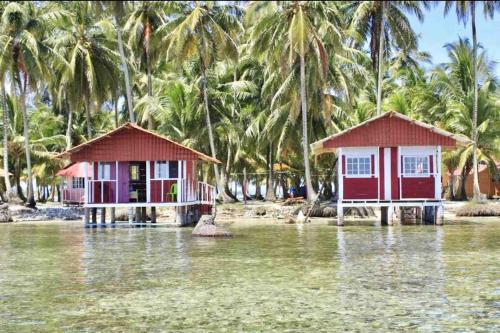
[(5, 214), (206, 227)]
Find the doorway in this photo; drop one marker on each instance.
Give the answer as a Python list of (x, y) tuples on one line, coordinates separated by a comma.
[(137, 182)]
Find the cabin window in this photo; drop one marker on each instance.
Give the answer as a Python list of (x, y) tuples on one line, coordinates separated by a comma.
[(78, 182), (359, 166), (166, 169), (416, 166), (104, 171)]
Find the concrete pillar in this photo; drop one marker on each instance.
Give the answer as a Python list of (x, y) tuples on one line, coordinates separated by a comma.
[(113, 217), (384, 215), (180, 216), (418, 215), (138, 215), (340, 215), (86, 215), (429, 215), (144, 215), (103, 215), (390, 213), (153, 214), (94, 215), (440, 215), (130, 215)]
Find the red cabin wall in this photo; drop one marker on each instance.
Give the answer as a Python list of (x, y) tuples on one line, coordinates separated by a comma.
[(360, 188), (394, 174)]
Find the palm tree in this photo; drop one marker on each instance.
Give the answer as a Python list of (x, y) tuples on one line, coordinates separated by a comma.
[(289, 33), (6, 130), (142, 26), (463, 10), (24, 27), (118, 9), (201, 31), (384, 23), (87, 61)]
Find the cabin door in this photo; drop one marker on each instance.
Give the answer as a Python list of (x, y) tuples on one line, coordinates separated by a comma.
[(387, 174), (137, 182)]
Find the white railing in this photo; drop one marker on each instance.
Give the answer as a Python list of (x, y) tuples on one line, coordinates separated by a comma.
[(105, 194), (206, 193), (73, 195)]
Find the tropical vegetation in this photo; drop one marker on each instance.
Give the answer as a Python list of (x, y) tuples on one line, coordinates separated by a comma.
[(250, 83)]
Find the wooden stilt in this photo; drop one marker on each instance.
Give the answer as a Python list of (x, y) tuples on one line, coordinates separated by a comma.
[(384, 215), (103, 215), (94, 215), (143, 215), (113, 217), (153, 214), (86, 215), (138, 215)]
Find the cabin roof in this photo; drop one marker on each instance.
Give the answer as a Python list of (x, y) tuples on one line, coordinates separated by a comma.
[(390, 129), (130, 142)]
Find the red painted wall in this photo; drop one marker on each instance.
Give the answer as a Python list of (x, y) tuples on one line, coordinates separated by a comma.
[(360, 188), (394, 174), (418, 188)]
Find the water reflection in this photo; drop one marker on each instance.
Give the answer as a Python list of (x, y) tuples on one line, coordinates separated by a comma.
[(268, 277)]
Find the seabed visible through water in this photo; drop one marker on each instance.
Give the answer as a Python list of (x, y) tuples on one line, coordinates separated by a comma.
[(61, 277)]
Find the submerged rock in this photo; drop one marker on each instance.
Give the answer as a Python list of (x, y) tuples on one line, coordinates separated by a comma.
[(5, 214), (206, 227)]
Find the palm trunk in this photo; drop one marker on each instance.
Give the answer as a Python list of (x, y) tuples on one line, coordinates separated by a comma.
[(209, 125), (270, 193), (89, 117), (69, 128), (17, 178), (6, 127), (305, 142), (476, 189), (148, 69), (123, 59), (31, 195), (116, 111), (380, 61)]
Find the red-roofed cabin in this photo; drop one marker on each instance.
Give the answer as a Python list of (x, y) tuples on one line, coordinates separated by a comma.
[(133, 167), (389, 159), (73, 186)]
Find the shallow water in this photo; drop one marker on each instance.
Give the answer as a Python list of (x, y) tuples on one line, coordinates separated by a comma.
[(313, 278)]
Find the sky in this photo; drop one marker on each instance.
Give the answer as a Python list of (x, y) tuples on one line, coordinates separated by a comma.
[(437, 30)]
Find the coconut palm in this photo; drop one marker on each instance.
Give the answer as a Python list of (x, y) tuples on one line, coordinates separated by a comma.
[(464, 10), (201, 30), (24, 27), (384, 23), (89, 66), (289, 33), (142, 26)]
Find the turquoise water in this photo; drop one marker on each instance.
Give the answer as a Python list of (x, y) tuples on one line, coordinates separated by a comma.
[(314, 278)]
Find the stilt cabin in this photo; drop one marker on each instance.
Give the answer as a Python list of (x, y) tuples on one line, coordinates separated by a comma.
[(131, 167), (389, 161)]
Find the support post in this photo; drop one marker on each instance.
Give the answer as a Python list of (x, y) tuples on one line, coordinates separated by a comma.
[(103, 215), (138, 214), (180, 216), (390, 212), (384, 215), (130, 215), (440, 215), (143, 215), (86, 216), (153, 214), (113, 217), (94, 215), (340, 215)]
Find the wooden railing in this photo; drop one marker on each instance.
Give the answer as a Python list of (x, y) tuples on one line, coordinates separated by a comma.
[(206, 193), (102, 191), (73, 195)]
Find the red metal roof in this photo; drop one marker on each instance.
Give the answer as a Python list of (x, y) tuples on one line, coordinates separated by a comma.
[(390, 129), (73, 170), (130, 142)]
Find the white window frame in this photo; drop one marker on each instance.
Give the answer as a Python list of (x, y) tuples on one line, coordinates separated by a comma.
[(167, 167), (104, 171), (79, 181), (358, 175), (407, 174)]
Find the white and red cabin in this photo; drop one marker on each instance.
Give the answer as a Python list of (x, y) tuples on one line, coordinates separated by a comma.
[(388, 161), (134, 167)]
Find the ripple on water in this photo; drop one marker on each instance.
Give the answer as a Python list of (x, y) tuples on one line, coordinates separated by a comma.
[(268, 277)]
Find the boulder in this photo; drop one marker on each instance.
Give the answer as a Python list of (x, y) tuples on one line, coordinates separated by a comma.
[(260, 211), (5, 214), (206, 227)]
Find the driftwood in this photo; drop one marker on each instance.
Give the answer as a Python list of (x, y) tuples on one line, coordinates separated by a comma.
[(206, 227)]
